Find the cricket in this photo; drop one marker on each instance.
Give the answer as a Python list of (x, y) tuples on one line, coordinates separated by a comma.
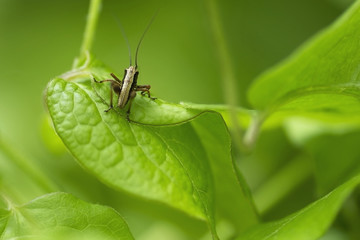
[(126, 88)]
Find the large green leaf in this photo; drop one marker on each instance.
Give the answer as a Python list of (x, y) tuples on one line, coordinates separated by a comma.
[(320, 80), (61, 216), (308, 223), (162, 153), (163, 163)]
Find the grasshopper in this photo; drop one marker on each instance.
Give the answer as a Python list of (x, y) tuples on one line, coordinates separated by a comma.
[(126, 88)]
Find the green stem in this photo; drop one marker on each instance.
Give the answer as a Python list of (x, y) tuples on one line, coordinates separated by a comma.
[(8, 197), (89, 33), (227, 72), (282, 183), (229, 88), (253, 130), (28, 167), (4, 199)]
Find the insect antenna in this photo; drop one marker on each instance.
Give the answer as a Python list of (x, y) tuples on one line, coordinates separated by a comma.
[(124, 36), (142, 37)]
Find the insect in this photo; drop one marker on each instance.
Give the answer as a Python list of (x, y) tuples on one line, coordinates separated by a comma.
[(126, 88)]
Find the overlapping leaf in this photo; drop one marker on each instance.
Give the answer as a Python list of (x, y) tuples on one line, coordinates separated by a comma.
[(61, 216), (308, 223), (316, 91), (321, 80)]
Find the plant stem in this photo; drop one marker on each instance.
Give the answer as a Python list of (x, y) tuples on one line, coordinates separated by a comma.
[(89, 33), (282, 183), (229, 83), (29, 168), (227, 72)]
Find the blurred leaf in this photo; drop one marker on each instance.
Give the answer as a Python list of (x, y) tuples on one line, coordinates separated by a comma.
[(308, 223), (334, 163), (342, 3), (233, 196), (20, 177), (51, 140), (302, 130), (59, 215), (320, 80), (334, 234), (272, 151)]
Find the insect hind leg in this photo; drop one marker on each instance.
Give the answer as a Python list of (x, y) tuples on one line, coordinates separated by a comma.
[(145, 89)]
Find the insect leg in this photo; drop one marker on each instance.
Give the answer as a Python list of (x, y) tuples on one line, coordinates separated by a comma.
[(111, 99), (106, 80), (144, 89), (115, 85), (116, 78), (131, 97)]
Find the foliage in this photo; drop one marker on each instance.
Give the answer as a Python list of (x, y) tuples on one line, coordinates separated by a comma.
[(240, 172)]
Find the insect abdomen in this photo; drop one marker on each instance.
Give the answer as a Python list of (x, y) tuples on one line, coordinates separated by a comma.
[(126, 87)]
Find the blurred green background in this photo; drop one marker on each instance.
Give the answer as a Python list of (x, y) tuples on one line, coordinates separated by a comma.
[(39, 40)]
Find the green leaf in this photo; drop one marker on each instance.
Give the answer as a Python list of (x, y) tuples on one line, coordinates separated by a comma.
[(334, 163), (320, 80), (59, 215), (165, 152), (20, 177), (50, 139), (316, 91), (308, 223), (234, 201), (145, 160), (163, 163)]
